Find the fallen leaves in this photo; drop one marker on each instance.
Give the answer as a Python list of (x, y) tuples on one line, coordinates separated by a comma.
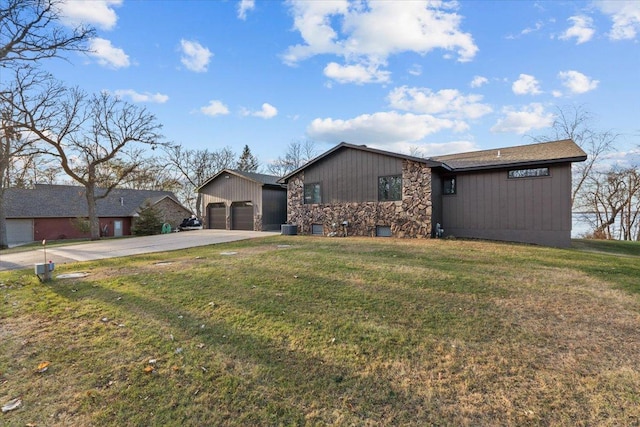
[(42, 367)]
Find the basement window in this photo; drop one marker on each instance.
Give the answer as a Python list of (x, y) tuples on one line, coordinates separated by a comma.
[(383, 231), (317, 229), (528, 173)]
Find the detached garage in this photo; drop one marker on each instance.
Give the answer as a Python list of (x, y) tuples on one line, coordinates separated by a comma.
[(238, 200)]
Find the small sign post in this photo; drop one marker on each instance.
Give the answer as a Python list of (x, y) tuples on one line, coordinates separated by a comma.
[(44, 271)]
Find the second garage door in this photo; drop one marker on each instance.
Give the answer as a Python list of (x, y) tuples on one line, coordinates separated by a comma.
[(242, 216)]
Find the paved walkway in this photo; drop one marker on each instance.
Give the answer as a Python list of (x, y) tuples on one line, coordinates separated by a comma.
[(124, 247)]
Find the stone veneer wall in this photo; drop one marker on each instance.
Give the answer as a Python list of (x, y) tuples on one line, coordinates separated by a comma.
[(410, 217)]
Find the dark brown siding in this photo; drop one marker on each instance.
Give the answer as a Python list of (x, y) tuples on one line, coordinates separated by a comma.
[(488, 205), (351, 175), (274, 208)]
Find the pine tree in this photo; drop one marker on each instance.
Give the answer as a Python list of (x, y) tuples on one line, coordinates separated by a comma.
[(149, 222), (248, 162)]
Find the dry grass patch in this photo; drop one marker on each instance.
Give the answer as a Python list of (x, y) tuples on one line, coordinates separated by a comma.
[(327, 332)]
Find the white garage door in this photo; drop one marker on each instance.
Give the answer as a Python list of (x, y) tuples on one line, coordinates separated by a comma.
[(19, 231)]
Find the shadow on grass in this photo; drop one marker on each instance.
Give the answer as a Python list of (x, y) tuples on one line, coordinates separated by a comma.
[(253, 379)]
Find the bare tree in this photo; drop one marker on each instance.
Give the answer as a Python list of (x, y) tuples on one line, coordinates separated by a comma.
[(298, 153), (85, 133), (31, 31), (576, 123), (194, 168), (153, 174), (614, 197)]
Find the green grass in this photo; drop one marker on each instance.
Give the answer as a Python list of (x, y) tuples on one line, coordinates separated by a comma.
[(295, 330), (619, 247)]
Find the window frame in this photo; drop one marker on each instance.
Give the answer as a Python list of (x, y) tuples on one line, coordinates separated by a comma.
[(453, 188), (314, 193), (389, 188)]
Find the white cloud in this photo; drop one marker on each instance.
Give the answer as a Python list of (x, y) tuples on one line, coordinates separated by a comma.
[(625, 15), (582, 29), (577, 82), (195, 56), (526, 85), (268, 111), (89, 12), (538, 25), (528, 118), (380, 128), (244, 6), (372, 31), (215, 108), (157, 98), (478, 81), (108, 55), (358, 74), (415, 70), (449, 103)]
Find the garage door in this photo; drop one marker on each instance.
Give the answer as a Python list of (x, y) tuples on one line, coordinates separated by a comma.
[(242, 216), (19, 231), (217, 216)]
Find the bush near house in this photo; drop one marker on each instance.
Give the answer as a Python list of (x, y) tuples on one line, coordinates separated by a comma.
[(149, 222)]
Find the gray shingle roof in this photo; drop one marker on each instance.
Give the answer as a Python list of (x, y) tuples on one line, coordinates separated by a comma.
[(260, 177), (542, 153), (66, 201)]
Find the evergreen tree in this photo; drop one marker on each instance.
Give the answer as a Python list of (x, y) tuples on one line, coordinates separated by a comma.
[(149, 222), (248, 162)]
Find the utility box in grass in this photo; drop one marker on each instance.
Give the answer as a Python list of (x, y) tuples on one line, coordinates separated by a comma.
[(289, 229), (44, 271)]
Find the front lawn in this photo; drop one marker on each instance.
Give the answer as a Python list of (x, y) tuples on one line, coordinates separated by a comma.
[(292, 330)]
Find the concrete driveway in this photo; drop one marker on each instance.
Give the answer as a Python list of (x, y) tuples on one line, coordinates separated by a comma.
[(124, 247)]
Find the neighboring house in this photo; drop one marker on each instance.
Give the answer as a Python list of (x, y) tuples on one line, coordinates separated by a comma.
[(238, 200), (55, 212), (520, 194)]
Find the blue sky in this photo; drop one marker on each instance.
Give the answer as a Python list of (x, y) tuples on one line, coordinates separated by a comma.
[(433, 77)]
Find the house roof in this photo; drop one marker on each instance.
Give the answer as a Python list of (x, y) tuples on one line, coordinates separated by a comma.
[(259, 178), (67, 201), (345, 145), (520, 156)]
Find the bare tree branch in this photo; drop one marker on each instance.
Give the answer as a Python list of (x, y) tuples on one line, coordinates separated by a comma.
[(31, 31)]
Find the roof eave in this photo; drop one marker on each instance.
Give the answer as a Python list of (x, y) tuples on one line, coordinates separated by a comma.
[(430, 162), (520, 164)]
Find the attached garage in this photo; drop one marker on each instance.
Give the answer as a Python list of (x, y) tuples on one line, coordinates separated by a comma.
[(242, 216), (19, 231), (217, 216)]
